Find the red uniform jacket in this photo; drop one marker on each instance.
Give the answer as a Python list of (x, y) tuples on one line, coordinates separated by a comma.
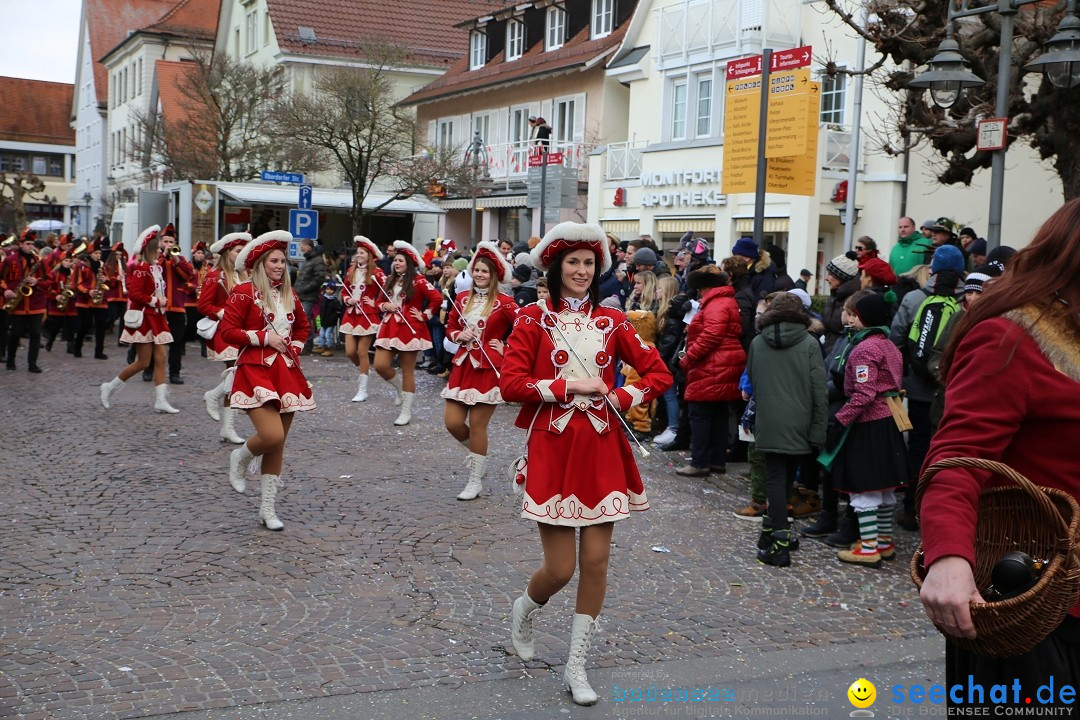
[(194, 288), (141, 291), (117, 290), (495, 326), (59, 279), (178, 273), (246, 325), (213, 295), (85, 281), (15, 268), (370, 292)]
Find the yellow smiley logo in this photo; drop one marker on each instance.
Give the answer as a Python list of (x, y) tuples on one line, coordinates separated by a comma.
[(862, 693)]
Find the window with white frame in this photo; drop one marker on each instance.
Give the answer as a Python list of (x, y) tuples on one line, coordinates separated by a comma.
[(446, 134), (266, 28), (519, 125), (252, 31), (556, 27), (833, 99), (138, 79), (515, 39), (477, 49), (38, 165), (704, 105), (603, 17), (678, 109), (564, 120), (482, 124)]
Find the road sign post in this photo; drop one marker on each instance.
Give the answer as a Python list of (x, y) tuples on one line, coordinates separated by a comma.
[(279, 176), (304, 224), (304, 202)]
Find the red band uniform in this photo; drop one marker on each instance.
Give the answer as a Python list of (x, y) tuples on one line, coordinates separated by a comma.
[(362, 316), (27, 314), (394, 332), (146, 292)]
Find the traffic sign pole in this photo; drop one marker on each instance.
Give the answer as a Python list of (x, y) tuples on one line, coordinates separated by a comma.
[(543, 188), (762, 163)]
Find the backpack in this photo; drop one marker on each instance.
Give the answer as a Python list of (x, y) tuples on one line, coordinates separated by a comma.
[(930, 319)]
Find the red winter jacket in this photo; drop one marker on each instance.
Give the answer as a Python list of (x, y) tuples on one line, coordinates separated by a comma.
[(714, 357)]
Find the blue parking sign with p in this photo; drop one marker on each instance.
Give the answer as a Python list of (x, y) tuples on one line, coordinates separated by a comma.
[(304, 224)]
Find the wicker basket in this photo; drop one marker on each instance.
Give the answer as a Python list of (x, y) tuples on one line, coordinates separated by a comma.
[(1042, 522)]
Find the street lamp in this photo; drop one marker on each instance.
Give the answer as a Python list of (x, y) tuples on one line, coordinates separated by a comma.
[(948, 74), (476, 148), (843, 215)]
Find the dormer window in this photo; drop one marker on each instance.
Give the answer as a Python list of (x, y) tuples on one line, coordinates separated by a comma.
[(556, 27), (603, 17), (515, 39), (477, 49)]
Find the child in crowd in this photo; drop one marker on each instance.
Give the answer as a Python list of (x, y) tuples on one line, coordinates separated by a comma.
[(542, 293), (330, 313)]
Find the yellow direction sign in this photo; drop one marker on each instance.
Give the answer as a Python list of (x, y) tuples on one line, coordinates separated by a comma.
[(741, 130), (797, 174), (788, 99)]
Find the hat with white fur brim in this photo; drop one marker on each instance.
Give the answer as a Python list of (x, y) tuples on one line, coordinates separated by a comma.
[(372, 249), (146, 236), (404, 247), (571, 236), (490, 250), (273, 240), (228, 242)]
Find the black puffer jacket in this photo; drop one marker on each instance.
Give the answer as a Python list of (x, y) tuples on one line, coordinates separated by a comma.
[(834, 308), (674, 330)]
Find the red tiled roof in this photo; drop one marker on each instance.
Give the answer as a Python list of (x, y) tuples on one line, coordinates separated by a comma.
[(176, 106), (190, 18), (426, 30), (110, 21), (579, 50), (36, 111)]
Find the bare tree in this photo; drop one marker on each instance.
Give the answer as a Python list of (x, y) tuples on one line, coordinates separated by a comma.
[(219, 129), (907, 33), (14, 189)]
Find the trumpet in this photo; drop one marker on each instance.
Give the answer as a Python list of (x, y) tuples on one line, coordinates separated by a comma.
[(174, 250)]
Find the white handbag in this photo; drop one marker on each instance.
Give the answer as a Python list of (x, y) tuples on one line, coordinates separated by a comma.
[(206, 327), (133, 319)]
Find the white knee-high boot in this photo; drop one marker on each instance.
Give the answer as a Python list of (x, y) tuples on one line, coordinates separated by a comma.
[(108, 390), (228, 426), (577, 682), (238, 466), (161, 400), (405, 415), (361, 389), (477, 467), (267, 515), (521, 619), (395, 382), (213, 398)]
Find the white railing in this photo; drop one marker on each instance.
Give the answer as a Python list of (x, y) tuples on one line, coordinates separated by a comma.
[(838, 150), (624, 160), (509, 162)]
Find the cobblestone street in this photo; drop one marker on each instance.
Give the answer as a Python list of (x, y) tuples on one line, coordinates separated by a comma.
[(134, 581)]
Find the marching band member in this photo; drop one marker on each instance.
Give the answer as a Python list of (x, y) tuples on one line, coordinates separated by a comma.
[(580, 471), (472, 393), (201, 265), (145, 326), (24, 283), (361, 295), (213, 295), (116, 277), (408, 301), (178, 274), (265, 319), (91, 286), (60, 312)]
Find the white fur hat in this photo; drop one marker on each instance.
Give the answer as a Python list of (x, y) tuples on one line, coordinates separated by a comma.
[(402, 246), (373, 250), (273, 240), (491, 251), (228, 242), (144, 237), (572, 236)]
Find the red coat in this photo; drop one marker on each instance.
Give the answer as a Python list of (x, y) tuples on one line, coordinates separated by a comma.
[(362, 317), (495, 326), (178, 274), (212, 299), (395, 333), (714, 359), (117, 283), (14, 269), (1004, 401), (58, 280), (85, 281)]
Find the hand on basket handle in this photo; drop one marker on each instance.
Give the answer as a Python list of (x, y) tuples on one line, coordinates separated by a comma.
[(947, 594)]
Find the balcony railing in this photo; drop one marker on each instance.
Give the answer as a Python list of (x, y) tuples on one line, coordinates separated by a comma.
[(509, 162), (624, 160)]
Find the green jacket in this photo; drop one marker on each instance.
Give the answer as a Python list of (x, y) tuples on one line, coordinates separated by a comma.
[(788, 375), (910, 251)]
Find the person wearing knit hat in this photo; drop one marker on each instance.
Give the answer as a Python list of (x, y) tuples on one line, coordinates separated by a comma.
[(873, 311), (644, 259), (947, 257), (745, 247), (361, 296), (842, 277), (877, 273), (842, 268)]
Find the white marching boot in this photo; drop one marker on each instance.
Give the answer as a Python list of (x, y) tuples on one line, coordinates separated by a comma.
[(108, 390), (161, 400), (477, 467), (361, 389), (577, 682), (405, 415), (213, 398), (228, 427), (395, 382), (238, 465), (521, 619), (267, 516)]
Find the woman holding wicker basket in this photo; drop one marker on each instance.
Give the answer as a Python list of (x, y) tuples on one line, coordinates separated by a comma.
[(1012, 395)]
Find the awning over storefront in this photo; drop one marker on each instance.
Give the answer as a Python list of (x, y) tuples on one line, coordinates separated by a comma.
[(771, 225), (322, 198), (681, 225), (495, 201), (621, 226)]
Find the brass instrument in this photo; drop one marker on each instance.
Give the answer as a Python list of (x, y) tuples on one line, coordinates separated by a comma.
[(24, 289), (67, 293), (7, 242), (174, 250), (97, 295)]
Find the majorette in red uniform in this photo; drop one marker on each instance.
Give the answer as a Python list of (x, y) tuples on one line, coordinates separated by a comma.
[(361, 297), (145, 325), (28, 298), (580, 471), (267, 322), (213, 295), (408, 303), (479, 321)]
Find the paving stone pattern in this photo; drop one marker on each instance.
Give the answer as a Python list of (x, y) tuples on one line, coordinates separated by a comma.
[(134, 581)]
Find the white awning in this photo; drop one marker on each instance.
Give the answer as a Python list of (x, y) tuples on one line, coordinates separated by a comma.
[(491, 201), (322, 198)]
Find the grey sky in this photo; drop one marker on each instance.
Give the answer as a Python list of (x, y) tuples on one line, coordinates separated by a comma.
[(40, 39)]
